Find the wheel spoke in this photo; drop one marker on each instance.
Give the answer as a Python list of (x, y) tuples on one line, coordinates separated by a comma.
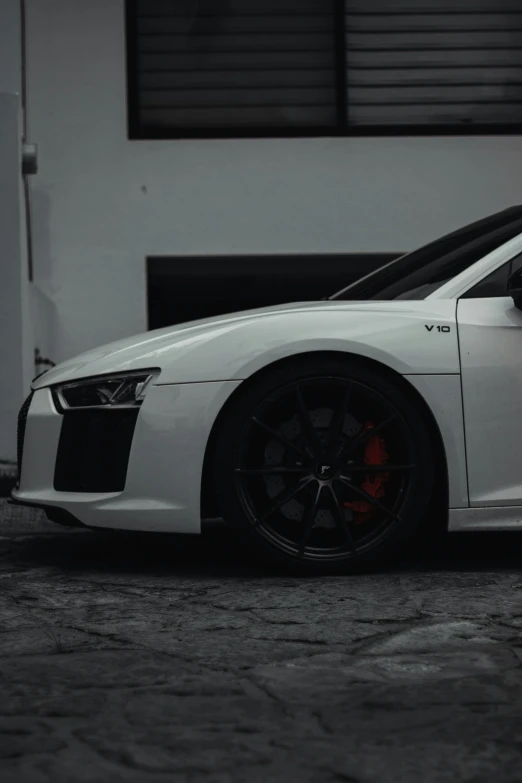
[(336, 425), (281, 499), (379, 468), (271, 471), (309, 430), (275, 434), (340, 520), (309, 520), (373, 501)]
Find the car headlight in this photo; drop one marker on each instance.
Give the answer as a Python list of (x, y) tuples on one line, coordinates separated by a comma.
[(122, 390)]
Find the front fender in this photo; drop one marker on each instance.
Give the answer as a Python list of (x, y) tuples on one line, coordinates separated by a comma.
[(418, 338), (398, 339)]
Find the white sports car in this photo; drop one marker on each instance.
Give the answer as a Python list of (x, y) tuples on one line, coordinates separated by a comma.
[(325, 432)]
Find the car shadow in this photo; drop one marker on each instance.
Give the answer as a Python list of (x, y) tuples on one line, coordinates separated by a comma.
[(218, 554)]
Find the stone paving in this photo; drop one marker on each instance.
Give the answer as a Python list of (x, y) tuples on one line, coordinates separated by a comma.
[(132, 658)]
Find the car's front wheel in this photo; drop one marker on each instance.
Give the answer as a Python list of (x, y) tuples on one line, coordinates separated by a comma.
[(325, 464)]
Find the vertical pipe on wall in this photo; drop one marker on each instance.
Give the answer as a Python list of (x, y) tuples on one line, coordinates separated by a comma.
[(26, 189)]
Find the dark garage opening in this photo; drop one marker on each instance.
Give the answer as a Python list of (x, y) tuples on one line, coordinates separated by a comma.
[(185, 288)]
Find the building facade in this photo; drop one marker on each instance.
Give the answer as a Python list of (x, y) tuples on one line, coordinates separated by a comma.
[(133, 166)]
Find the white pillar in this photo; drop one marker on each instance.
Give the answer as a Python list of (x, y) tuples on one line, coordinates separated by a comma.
[(16, 360), (10, 46)]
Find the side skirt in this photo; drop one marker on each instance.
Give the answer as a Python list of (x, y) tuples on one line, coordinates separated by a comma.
[(490, 518)]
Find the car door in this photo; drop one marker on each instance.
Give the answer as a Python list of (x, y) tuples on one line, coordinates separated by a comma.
[(490, 343)]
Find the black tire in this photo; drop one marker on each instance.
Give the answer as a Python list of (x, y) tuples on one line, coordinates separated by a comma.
[(266, 460)]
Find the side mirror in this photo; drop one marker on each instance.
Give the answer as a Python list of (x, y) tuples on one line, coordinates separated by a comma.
[(514, 288)]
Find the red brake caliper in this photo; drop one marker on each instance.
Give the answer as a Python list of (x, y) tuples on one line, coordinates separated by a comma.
[(374, 454)]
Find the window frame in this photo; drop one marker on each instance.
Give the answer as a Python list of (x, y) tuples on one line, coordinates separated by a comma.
[(137, 131), (452, 247), (461, 284), (508, 266)]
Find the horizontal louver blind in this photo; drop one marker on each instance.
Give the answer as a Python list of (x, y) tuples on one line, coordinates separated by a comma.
[(434, 62), (322, 67), (235, 63)]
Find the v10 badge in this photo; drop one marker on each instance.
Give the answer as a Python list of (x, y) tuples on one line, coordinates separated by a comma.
[(443, 329)]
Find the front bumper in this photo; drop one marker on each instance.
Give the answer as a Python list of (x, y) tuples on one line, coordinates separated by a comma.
[(162, 487)]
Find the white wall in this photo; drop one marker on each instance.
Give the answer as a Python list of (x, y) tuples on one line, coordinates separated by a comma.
[(101, 203), (16, 361), (15, 339)]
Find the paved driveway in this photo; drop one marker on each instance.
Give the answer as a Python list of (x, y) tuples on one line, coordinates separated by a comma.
[(157, 659)]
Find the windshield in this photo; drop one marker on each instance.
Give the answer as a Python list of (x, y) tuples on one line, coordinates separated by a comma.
[(418, 274)]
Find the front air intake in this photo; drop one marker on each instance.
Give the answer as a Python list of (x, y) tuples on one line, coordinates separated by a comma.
[(94, 450), (20, 434)]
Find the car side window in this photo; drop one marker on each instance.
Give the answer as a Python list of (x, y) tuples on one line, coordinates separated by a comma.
[(494, 284)]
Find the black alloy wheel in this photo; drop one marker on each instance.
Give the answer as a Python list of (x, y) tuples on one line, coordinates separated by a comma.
[(325, 465)]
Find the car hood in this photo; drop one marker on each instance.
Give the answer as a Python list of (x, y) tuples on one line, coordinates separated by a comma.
[(147, 350)]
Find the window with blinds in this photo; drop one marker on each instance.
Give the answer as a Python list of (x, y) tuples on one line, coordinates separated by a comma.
[(323, 67), (454, 63)]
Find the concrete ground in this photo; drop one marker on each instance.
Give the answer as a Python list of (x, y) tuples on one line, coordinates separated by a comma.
[(131, 658)]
